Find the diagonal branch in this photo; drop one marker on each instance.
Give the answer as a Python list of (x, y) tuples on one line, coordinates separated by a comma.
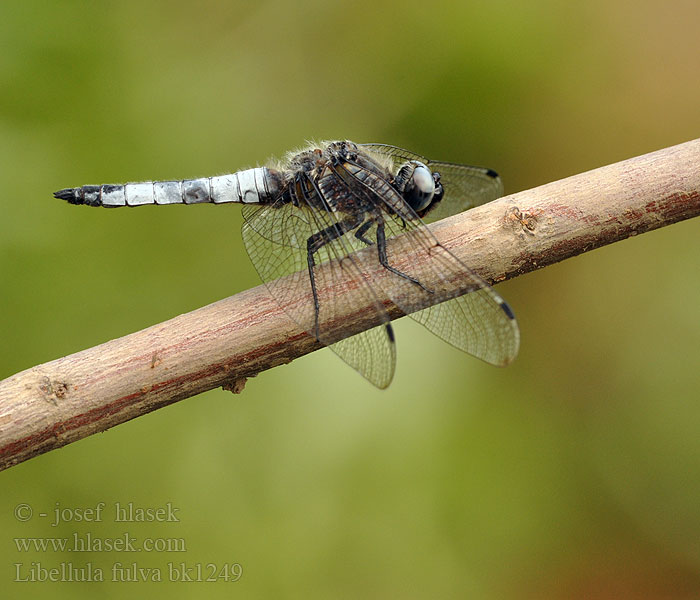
[(64, 400)]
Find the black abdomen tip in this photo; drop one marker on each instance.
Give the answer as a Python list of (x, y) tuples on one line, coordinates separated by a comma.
[(492, 173), (89, 195), (71, 195)]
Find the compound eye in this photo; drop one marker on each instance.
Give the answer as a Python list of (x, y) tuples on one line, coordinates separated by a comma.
[(420, 187)]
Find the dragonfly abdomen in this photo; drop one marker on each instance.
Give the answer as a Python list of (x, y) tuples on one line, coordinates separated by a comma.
[(252, 186)]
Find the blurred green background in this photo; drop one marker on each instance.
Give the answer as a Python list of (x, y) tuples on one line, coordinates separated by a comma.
[(574, 473)]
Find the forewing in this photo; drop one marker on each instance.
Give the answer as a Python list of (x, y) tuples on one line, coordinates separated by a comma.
[(397, 155), (275, 238), (464, 310), (474, 318), (474, 324), (465, 186)]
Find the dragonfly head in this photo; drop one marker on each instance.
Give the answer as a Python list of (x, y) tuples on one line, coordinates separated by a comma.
[(418, 186)]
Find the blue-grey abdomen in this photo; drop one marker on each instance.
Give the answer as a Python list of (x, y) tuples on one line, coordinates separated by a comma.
[(252, 186)]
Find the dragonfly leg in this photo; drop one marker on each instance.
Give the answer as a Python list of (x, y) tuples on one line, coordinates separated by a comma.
[(360, 233), (317, 241), (383, 259)]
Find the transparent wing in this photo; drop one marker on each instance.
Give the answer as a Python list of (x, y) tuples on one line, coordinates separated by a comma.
[(397, 155), (278, 226), (473, 324), (472, 317), (275, 237), (465, 186)]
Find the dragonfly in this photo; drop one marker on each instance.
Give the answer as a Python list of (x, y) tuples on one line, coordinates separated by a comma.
[(320, 219)]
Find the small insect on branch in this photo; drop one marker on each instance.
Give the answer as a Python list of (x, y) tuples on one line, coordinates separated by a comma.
[(67, 399)]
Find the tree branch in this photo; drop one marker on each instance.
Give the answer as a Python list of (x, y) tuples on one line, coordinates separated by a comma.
[(64, 400)]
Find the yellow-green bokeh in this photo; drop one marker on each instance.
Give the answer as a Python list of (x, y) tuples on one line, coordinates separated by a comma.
[(574, 473)]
